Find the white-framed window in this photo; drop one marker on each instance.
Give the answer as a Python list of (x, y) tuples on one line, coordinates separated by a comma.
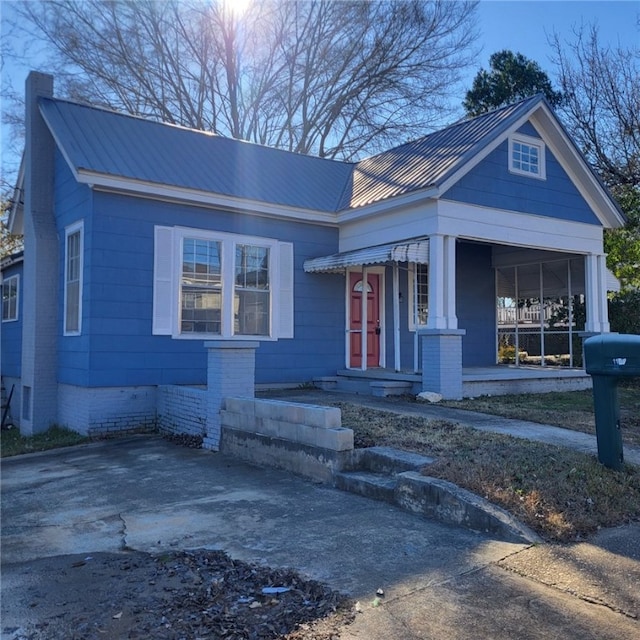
[(418, 295), (73, 250), (221, 285), (10, 298), (527, 156)]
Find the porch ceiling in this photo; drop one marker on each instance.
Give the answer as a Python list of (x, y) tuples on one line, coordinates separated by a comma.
[(411, 251)]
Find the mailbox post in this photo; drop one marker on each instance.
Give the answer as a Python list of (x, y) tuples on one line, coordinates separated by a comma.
[(609, 357)]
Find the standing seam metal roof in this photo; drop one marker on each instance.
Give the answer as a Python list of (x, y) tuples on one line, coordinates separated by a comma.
[(125, 146), (429, 161)]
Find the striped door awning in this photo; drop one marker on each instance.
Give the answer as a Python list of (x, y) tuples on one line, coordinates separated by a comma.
[(410, 251)]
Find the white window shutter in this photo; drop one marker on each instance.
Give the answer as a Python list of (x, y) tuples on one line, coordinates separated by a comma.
[(163, 274), (284, 308)]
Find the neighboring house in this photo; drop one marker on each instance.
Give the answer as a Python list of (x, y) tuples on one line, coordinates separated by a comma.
[(143, 240)]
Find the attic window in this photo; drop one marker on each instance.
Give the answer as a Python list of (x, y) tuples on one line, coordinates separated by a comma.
[(527, 156)]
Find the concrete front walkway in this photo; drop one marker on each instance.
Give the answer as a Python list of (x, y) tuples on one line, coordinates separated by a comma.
[(577, 440), (147, 494)]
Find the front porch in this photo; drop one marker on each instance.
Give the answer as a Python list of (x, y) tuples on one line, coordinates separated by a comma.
[(476, 381)]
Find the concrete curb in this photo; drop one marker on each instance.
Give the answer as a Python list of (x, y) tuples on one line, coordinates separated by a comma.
[(449, 503)]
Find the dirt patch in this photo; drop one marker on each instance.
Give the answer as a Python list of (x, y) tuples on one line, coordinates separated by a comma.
[(182, 594)]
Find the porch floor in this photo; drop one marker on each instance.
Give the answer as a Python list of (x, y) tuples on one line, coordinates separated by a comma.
[(476, 381), (473, 374)]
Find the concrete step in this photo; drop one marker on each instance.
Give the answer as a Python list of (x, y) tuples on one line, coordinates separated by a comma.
[(384, 388), (376, 486), (391, 461)]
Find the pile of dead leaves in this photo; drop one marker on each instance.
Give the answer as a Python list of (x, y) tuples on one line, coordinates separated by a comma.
[(180, 595), (235, 600)]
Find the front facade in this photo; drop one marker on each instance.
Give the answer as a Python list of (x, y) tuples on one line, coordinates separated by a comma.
[(143, 241)]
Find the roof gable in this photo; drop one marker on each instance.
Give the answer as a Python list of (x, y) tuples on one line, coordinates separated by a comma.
[(429, 161), (439, 160), (101, 145)]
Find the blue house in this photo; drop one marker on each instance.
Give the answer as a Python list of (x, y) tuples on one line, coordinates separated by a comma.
[(406, 271)]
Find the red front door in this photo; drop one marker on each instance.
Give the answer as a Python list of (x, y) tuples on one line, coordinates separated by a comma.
[(373, 320)]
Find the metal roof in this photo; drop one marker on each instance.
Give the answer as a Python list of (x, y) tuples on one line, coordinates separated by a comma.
[(413, 251), (124, 146), (429, 161)]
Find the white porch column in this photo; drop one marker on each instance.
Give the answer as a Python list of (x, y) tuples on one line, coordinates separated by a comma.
[(442, 283), (363, 314), (442, 340), (436, 317), (396, 317), (597, 320), (602, 298), (450, 282)]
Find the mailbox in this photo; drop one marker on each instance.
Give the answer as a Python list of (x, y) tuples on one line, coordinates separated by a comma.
[(608, 358)]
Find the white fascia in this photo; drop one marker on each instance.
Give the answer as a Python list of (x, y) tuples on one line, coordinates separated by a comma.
[(572, 161), (385, 206), (473, 222), (170, 193)]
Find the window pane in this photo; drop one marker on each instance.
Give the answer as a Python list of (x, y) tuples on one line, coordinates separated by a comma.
[(251, 309), (251, 313), (72, 283), (252, 267), (10, 298), (73, 302), (201, 287), (201, 311), (422, 294), (201, 261), (525, 157)]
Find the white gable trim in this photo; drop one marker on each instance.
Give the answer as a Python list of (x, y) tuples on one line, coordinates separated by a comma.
[(477, 158), (571, 160), (564, 151)]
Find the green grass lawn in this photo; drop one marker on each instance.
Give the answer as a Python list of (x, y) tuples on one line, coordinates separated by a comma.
[(12, 443)]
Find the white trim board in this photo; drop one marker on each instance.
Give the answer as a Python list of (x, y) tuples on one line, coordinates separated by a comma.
[(472, 222)]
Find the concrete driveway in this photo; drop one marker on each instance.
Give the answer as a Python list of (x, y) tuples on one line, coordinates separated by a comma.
[(147, 494)]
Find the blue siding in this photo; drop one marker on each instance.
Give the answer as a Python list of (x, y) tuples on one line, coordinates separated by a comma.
[(476, 304), (406, 336), (476, 308), (12, 330), (73, 202), (490, 184), (118, 300)]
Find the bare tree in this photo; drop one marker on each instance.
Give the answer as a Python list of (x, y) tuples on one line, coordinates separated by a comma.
[(601, 85), (326, 77)]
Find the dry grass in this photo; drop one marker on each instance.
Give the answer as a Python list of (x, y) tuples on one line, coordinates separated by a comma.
[(562, 494), (571, 410)]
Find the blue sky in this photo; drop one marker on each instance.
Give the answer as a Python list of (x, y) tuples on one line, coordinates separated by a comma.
[(522, 25), (518, 25)]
